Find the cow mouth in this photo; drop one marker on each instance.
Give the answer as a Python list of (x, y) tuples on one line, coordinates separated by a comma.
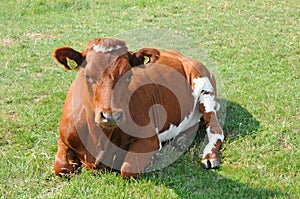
[(108, 124)]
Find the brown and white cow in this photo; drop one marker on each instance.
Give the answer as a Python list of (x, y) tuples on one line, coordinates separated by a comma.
[(119, 110)]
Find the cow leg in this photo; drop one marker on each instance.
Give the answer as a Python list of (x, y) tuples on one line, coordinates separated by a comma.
[(208, 105), (139, 156), (66, 161)]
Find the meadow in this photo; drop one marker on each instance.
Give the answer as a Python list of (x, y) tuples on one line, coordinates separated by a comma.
[(253, 44)]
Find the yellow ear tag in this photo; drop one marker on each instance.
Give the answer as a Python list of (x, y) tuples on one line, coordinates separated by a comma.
[(146, 59), (71, 63)]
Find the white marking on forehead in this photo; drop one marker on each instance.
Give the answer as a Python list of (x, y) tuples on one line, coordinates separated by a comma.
[(99, 48), (212, 141)]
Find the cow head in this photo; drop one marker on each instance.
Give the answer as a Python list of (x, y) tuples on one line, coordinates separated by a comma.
[(99, 72), (109, 102), (102, 64)]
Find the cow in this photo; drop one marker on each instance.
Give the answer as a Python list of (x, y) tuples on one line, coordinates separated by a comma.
[(123, 105)]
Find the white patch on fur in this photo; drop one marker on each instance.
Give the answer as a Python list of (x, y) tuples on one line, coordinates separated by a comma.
[(156, 129), (208, 102), (203, 84), (212, 141), (99, 48), (191, 119), (200, 84), (188, 121), (160, 146)]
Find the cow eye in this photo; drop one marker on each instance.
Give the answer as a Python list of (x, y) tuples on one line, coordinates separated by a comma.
[(88, 78), (128, 78)]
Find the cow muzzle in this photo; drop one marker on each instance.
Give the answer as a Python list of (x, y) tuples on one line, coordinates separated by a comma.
[(110, 119)]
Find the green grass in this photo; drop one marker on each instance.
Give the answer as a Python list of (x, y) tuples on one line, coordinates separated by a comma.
[(254, 45)]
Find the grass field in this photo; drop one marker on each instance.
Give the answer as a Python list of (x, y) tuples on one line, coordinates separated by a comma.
[(254, 45)]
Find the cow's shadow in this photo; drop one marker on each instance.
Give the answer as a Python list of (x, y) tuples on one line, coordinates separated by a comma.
[(195, 182), (238, 121)]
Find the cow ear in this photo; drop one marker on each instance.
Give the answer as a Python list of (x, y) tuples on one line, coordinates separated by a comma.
[(144, 56), (69, 58)]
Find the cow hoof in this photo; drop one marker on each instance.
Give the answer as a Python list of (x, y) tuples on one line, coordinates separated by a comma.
[(65, 173), (213, 163), (126, 171)]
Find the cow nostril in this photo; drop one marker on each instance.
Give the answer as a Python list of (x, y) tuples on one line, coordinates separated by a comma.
[(111, 118), (118, 116), (105, 115)]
